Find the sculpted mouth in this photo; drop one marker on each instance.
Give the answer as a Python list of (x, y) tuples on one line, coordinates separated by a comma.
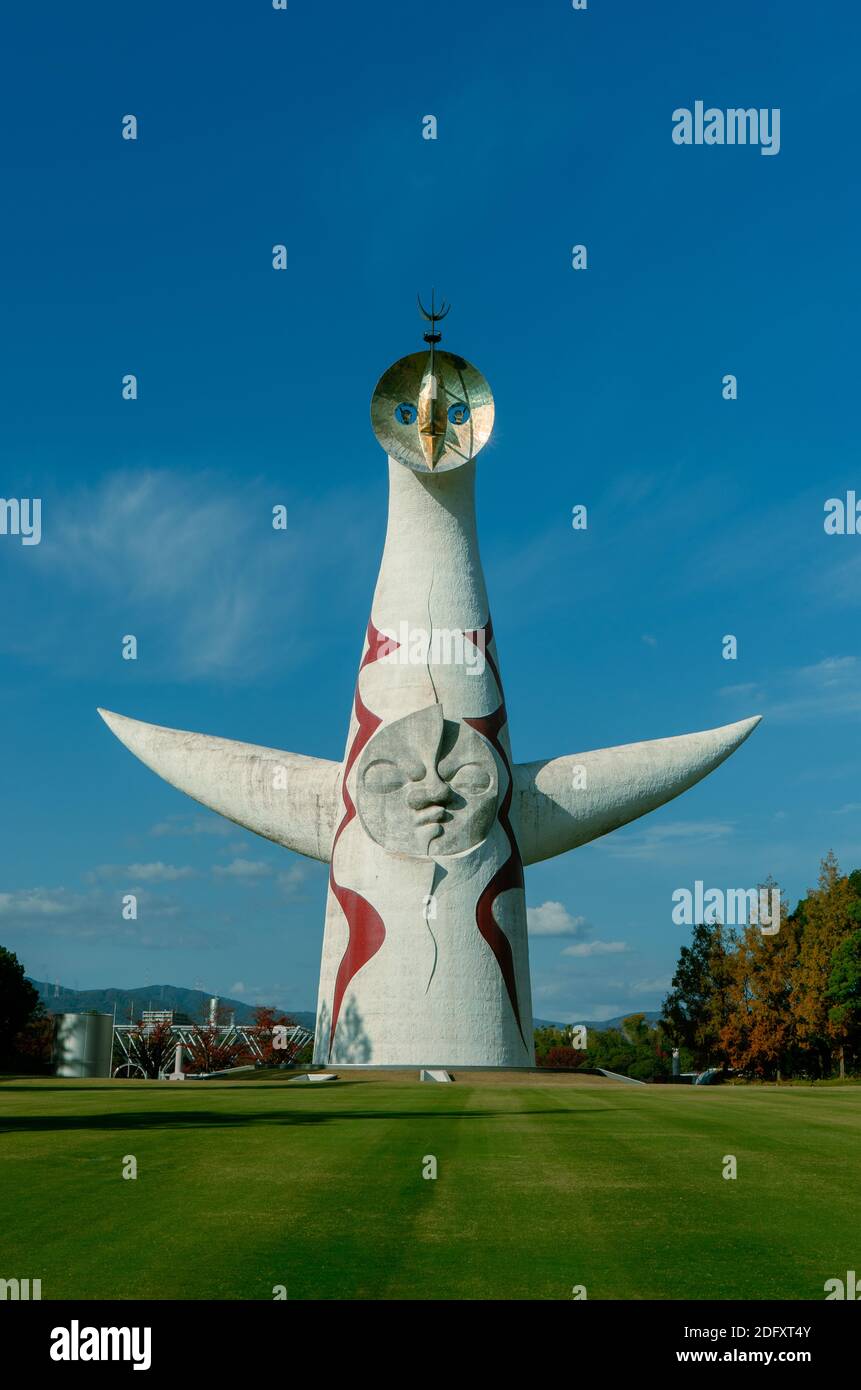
[(434, 815)]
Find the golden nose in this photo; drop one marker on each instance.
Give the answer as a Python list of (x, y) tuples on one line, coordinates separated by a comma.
[(432, 422)]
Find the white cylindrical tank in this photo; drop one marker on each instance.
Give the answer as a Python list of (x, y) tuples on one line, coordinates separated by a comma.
[(83, 1044)]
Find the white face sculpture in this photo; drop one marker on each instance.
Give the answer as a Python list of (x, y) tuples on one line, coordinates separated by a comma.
[(427, 786)]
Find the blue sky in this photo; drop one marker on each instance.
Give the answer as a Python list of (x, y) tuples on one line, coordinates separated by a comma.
[(303, 127)]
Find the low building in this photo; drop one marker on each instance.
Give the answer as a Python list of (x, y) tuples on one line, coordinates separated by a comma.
[(150, 1017)]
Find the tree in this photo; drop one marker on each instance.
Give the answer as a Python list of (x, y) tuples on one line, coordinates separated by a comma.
[(34, 1047), (213, 1049), (636, 1028), (844, 997), (153, 1047), (552, 1039), (266, 1020), (609, 1048), (564, 1058), (19, 1003), (830, 916), (759, 1034), (653, 1060), (696, 1010)]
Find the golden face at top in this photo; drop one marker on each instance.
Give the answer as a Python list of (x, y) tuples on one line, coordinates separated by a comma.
[(432, 411)]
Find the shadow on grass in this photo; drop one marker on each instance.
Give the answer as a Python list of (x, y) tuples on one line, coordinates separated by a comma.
[(124, 1087), (206, 1119)]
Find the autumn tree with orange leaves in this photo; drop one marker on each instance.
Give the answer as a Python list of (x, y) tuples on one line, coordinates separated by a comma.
[(760, 1034), (266, 1020), (776, 1005)]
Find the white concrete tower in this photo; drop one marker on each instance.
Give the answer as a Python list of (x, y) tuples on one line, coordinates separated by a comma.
[(427, 822)]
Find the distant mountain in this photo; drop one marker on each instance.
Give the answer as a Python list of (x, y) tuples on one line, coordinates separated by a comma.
[(130, 1003), (599, 1027)]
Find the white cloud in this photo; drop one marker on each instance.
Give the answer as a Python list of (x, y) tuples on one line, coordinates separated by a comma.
[(291, 879), (192, 825), (842, 580), (830, 688), (662, 838), (750, 688), (222, 581), (596, 948), (553, 919), (93, 918), (549, 989), (243, 869), (157, 872), (37, 902), (659, 985)]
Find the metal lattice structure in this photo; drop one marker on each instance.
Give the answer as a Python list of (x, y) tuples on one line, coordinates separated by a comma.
[(188, 1035)]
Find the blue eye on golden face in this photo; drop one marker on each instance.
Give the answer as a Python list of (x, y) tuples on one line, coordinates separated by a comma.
[(432, 421)]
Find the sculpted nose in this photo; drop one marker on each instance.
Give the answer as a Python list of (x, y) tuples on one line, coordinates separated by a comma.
[(433, 791)]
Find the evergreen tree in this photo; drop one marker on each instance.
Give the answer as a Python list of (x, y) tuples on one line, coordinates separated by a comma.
[(697, 1009), (844, 997), (19, 1003), (830, 916)]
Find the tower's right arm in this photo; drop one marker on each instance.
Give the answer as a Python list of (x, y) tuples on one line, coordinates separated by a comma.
[(565, 802)]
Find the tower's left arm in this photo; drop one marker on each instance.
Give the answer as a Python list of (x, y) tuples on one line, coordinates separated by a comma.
[(285, 797)]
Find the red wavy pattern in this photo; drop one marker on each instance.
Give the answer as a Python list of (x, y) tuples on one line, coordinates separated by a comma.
[(366, 927), (509, 874), (367, 931)]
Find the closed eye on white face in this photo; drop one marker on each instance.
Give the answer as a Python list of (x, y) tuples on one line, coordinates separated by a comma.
[(470, 780), (384, 776)]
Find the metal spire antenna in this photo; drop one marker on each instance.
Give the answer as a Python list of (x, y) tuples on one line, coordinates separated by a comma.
[(434, 317)]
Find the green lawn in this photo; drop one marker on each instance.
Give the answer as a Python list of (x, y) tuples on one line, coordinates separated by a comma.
[(544, 1183)]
